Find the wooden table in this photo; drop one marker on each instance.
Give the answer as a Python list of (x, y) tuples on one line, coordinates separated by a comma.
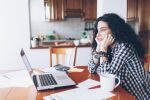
[(30, 93)]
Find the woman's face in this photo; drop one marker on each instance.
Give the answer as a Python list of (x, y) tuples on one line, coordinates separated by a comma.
[(103, 30)]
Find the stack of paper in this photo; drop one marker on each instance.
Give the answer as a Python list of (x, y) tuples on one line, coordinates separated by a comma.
[(81, 93)]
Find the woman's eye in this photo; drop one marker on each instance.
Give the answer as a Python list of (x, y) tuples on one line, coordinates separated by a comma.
[(102, 30)]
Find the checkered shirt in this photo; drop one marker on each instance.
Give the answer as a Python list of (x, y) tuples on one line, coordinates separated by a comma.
[(125, 63)]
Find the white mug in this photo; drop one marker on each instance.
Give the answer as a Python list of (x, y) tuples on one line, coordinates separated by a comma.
[(107, 82)]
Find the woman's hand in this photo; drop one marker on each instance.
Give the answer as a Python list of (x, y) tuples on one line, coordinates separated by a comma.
[(105, 43)]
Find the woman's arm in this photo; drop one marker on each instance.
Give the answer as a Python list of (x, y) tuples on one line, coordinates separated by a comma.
[(101, 46), (93, 63), (120, 57)]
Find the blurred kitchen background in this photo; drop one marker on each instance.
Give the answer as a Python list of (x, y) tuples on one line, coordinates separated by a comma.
[(37, 24)]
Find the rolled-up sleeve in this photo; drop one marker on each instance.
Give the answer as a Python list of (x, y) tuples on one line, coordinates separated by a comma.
[(119, 58), (92, 67)]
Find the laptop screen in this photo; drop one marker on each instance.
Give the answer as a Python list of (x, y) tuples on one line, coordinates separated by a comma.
[(26, 62)]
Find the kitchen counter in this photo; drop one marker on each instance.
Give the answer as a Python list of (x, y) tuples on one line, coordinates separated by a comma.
[(61, 45)]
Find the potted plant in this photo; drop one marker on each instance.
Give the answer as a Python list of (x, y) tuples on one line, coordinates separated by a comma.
[(51, 37), (35, 41), (84, 38), (84, 35)]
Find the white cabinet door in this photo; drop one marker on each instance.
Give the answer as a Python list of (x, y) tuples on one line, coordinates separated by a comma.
[(83, 56), (40, 58)]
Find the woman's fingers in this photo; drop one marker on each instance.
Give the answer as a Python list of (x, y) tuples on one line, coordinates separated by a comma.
[(110, 38)]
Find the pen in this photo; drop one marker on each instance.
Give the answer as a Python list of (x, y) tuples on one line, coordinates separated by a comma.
[(97, 86)]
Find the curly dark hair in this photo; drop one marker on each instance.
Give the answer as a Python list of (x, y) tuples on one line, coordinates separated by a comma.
[(121, 31)]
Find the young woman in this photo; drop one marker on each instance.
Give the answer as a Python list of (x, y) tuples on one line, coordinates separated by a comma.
[(116, 50)]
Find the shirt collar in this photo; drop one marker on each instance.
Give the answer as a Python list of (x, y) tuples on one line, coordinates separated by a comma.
[(115, 48)]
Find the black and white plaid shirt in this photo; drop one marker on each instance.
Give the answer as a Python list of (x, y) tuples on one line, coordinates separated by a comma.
[(126, 64)]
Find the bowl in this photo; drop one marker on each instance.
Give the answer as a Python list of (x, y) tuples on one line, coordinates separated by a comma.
[(76, 42), (84, 41)]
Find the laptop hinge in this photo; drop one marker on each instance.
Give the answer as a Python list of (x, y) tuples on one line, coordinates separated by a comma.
[(35, 80)]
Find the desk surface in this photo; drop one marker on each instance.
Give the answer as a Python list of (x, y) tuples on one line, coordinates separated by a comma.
[(30, 93)]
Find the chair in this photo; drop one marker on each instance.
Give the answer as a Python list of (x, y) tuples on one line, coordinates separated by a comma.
[(62, 55), (146, 62)]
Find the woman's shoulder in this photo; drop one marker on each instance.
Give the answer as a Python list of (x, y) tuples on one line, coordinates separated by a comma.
[(124, 49), (125, 45)]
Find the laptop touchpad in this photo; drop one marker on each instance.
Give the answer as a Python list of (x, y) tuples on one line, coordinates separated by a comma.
[(61, 77)]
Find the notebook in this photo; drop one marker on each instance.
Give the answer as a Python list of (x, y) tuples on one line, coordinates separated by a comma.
[(47, 80)]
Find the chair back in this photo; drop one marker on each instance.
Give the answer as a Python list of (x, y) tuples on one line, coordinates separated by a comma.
[(63, 55), (146, 62)]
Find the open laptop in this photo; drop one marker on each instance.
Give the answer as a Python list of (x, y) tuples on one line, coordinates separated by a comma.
[(47, 80)]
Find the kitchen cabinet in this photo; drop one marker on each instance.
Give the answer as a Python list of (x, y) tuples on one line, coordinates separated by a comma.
[(144, 23), (132, 10), (73, 8), (54, 9), (61, 9), (86, 9), (83, 56), (145, 15), (89, 10), (42, 56), (145, 40)]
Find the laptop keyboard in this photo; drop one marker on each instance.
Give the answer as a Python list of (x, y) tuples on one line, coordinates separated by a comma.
[(47, 79)]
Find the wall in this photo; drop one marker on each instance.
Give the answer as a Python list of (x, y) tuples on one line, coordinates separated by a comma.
[(14, 32), (110, 6)]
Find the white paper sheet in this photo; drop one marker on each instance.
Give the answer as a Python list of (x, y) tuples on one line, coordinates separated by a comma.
[(80, 94), (15, 79), (88, 83)]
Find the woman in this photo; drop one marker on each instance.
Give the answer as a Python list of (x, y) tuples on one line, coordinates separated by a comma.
[(116, 50)]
